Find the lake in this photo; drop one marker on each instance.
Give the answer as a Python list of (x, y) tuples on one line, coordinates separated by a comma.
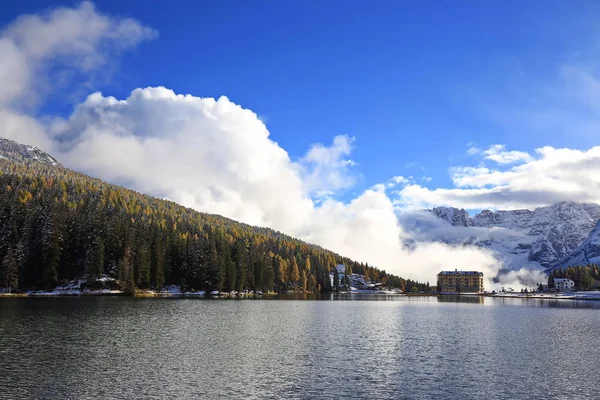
[(380, 348)]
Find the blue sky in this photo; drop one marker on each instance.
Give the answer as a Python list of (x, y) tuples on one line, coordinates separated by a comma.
[(496, 103), (413, 81)]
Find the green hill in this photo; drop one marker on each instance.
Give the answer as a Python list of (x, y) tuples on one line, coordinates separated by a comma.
[(57, 225)]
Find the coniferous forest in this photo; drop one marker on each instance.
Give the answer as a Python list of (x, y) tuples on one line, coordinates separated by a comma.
[(57, 225)]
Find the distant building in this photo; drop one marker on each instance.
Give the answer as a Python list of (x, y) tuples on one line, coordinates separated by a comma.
[(460, 281), (564, 284)]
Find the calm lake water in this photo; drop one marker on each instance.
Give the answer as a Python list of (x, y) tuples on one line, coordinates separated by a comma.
[(397, 347)]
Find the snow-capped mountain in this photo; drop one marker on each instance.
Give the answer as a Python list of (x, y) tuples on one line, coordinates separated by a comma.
[(523, 238), (23, 153), (587, 253)]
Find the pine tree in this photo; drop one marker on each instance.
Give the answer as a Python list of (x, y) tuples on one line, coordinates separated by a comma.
[(142, 264), (126, 272), (304, 281), (269, 278), (94, 259), (231, 275), (9, 271), (158, 264), (282, 269), (586, 280), (294, 273), (312, 283)]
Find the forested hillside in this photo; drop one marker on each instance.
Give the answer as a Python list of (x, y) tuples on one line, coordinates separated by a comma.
[(57, 225)]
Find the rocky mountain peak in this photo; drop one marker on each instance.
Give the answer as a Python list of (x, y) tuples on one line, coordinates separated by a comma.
[(587, 253), (529, 238), (455, 216), (22, 153)]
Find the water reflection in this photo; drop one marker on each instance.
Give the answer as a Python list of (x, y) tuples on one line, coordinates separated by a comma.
[(466, 299), (387, 348), (461, 299), (550, 303)]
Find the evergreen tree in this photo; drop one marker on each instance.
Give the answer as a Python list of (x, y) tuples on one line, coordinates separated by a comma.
[(282, 276), (9, 271), (142, 264), (231, 275), (94, 259), (586, 280), (312, 284), (304, 281), (294, 273), (126, 272), (158, 264)]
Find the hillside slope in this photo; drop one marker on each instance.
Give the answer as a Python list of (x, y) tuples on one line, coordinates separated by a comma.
[(57, 225)]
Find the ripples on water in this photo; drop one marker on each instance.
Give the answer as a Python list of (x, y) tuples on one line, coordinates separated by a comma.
[(421, 347)]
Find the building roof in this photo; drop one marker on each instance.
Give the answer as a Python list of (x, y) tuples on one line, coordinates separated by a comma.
[(562, 280), (456, 272)]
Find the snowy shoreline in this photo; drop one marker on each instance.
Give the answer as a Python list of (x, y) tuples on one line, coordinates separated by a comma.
[(550, 296), (76, 289)]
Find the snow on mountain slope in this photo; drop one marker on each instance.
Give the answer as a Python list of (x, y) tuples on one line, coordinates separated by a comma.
[(536, 239), (587, 253), (23, 153)]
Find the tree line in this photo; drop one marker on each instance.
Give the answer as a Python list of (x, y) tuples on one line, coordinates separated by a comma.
[(57, 225), (583, 276)]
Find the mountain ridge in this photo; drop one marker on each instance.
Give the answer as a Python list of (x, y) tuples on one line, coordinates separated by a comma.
[(17, 152), (538, 238), (587, 253)]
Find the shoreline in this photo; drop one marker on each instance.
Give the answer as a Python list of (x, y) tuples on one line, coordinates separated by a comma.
[(553, 296), (595, 295), (140, 294)]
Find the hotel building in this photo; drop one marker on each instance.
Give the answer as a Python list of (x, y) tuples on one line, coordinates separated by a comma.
[(460, 281)]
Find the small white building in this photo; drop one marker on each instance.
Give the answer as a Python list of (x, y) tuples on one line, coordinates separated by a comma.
[(564, 284)]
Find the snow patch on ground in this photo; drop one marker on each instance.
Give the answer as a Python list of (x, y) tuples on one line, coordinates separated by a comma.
[(74, 288)]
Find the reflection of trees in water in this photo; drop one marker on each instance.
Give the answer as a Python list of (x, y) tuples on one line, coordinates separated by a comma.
[(549, 303)]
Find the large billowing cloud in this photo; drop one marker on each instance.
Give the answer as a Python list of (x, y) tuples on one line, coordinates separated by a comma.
[(215, 156), (209, 154)]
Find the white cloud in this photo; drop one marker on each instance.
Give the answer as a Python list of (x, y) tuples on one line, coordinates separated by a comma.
[(41, 52), (23, 128), (556, 175), (498, 154), (216, 156), (209, 154), (326, 169), (398, 180)]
